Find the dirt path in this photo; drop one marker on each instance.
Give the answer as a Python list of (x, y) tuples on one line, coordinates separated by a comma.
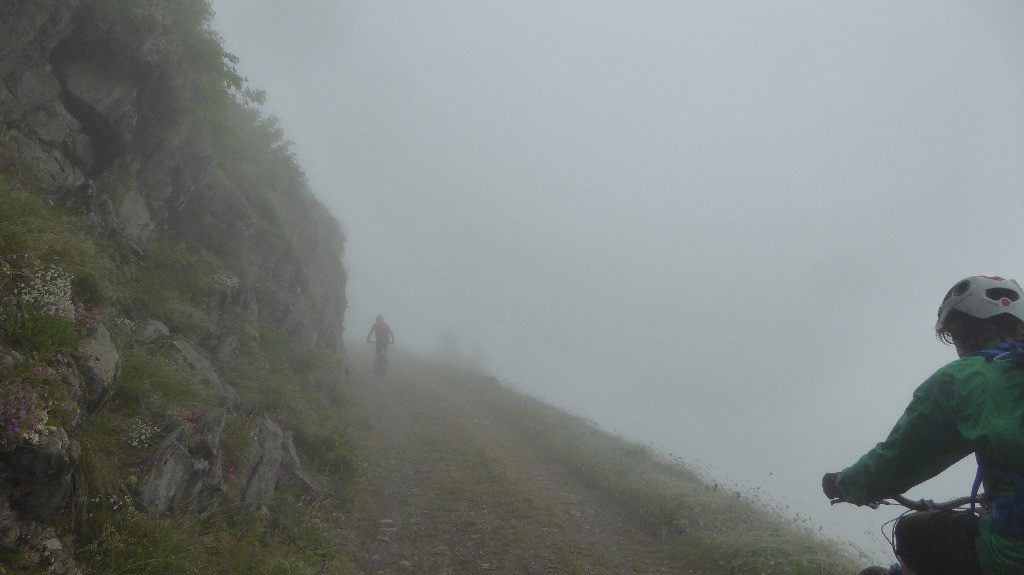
[(450, 489)]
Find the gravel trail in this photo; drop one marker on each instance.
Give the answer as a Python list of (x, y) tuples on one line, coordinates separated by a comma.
[(451, 489)]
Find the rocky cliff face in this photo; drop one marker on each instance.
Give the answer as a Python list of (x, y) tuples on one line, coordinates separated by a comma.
[(96, 90), (97, 104), (39, 133)]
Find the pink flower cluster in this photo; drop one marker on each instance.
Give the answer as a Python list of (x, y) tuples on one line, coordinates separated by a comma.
[(88, 317), (73, 410), (65, 309), (192, 415), (19, 417)]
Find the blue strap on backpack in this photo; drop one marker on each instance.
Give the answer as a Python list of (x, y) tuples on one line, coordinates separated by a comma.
[(1010, 352), (1007, 512)]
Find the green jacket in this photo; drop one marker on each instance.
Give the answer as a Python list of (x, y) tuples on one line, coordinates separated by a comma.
[(968, 406)]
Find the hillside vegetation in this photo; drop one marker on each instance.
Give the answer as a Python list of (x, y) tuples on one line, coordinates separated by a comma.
[(62, 283), (171, 306)]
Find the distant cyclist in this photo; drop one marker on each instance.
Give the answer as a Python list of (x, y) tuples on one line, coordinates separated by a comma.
[(972, 405), (382, 334)]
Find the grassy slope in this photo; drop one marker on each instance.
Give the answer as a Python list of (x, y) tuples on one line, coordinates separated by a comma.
[(495, 435)]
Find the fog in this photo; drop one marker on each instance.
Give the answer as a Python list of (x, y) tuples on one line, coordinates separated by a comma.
[(720, 228)]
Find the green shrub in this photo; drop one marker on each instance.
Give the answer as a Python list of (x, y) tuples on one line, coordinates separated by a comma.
[(39, 333), (31, 228), (327, 450), (92, 287), (49, 266), (170, 274), (98, 475), (129, 541), (152, 383), (34, 395), (21, 415)]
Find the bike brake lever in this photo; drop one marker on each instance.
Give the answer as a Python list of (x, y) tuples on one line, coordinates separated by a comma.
[(873, 505)]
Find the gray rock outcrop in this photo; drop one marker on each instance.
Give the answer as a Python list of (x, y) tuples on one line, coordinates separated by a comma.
[(151, 330), (37, 477), (203, 370), (10, 531), (187, 470), (99, 362), (52, 553), (35, 127), (271, 462), (264, 462)]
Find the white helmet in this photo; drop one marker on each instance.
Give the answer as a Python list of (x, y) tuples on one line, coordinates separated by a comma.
[(982, 297)]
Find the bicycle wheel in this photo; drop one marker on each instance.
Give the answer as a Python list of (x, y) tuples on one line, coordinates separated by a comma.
[(380, 365)]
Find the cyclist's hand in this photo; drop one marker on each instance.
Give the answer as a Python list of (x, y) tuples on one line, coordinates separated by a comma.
[(829, 487)]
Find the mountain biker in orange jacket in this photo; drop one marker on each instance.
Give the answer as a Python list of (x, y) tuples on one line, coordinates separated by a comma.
[(382, 333), (972, 405)]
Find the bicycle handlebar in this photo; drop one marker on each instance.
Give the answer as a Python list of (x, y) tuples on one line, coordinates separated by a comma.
[(929, 505), (924, 504)]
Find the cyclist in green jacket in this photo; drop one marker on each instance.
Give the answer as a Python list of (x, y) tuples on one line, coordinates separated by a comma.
[(972, 405)]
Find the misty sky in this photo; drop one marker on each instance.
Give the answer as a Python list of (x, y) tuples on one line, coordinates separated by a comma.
[(722, 228)]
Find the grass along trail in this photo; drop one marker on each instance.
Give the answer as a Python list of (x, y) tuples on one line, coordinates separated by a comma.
[(464, 475)]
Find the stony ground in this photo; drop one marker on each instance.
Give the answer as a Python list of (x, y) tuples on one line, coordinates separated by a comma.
[(451, 488)]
